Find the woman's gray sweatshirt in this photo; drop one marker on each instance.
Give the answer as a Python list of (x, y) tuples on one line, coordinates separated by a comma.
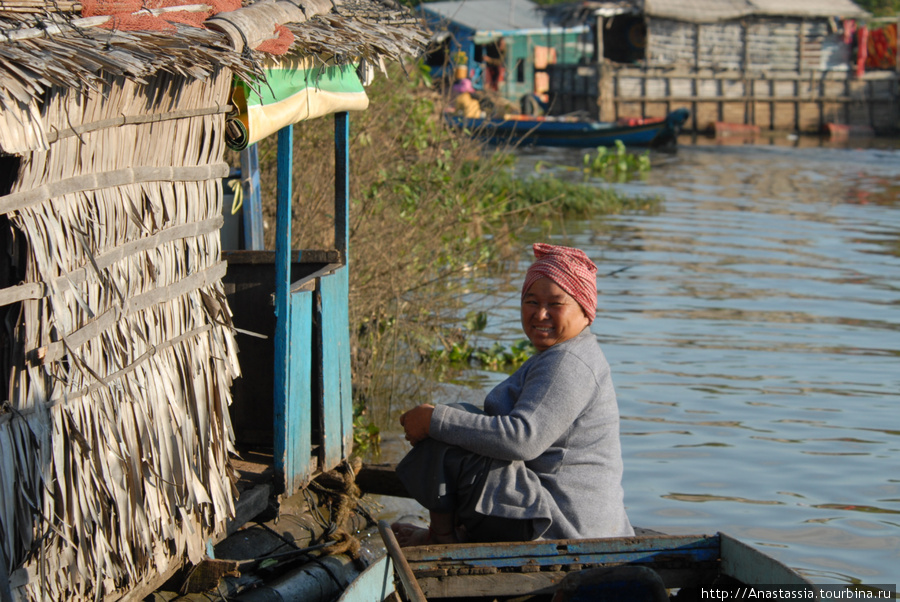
[(552, 429)]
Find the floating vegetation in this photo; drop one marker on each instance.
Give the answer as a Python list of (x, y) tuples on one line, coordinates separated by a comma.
[(461, 352), (619, 165)]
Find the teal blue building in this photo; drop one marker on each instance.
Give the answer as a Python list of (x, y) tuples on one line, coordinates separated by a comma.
[(531, 38)]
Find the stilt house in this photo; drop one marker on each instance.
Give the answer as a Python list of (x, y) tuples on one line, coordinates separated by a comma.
[(777, 65), (469, 32), (118, 347)]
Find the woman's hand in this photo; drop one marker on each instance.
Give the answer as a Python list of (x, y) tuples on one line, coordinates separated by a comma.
[(417, 422)]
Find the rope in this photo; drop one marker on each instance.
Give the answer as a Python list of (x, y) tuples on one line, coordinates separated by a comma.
[(339, 487)]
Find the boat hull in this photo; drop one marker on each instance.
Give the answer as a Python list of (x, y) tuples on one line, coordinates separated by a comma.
[(539, 567), (576, 134)]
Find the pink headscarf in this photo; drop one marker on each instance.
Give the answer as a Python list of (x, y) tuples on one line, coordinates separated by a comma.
[(571, 269)]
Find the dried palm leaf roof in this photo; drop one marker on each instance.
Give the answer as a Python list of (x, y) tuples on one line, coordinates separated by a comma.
[(54, 44)]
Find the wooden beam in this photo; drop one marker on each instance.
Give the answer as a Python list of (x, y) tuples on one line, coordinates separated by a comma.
[(543, 582), (381, 479), (305, 256), (282, 304), (341, 181), (410, 584), (293, 343)]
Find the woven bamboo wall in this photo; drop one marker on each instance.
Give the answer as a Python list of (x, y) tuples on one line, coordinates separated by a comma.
[(115, 437), (757, 44)]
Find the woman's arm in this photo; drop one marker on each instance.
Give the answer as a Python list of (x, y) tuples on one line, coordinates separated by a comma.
[(553, 394)]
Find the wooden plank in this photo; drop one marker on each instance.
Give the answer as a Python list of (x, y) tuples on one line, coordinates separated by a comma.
[(410, 585), (537, 567), (283, 430), (341, 181), (380, 479), (249, 505), (550, 552), (545, 582), (342, 336), (335, 393), (499, 584), (298, 416), (764, 76), (670, 557)]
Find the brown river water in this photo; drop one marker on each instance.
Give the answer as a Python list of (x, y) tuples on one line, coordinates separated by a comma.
[(753, 329)]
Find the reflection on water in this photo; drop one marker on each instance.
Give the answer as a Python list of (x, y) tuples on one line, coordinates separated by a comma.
[(753, 327)]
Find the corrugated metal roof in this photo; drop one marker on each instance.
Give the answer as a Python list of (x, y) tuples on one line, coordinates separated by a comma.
[(809, 8), (478, 15), (709, 11), (700, 11)]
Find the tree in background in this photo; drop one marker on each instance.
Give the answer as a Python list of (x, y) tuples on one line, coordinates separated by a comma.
[(880, 8)]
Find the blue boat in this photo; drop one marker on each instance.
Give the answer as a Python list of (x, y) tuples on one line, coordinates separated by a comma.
[(651, 567), (553, 131), (539, 570)]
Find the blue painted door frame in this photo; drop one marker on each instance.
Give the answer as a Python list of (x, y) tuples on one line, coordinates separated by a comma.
[(333, 296), (312, 323)]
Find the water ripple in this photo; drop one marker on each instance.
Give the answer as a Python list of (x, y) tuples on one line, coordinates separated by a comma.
[(752, 329), (752, 326)]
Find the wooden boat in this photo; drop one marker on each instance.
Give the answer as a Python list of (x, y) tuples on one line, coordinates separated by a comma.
[(644, 567), (660, 566), (550, 131)]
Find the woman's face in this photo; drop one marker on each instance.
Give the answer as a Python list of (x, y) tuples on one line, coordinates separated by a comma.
[(550, 315)]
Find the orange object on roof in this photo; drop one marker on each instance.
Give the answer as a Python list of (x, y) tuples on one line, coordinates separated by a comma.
[(135, 15)]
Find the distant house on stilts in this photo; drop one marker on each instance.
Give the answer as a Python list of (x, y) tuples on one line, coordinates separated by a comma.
[(473, 34), (778, 65)]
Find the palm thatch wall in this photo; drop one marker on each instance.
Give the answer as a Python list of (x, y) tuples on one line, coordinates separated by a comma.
[(117, 418), (116, 347)]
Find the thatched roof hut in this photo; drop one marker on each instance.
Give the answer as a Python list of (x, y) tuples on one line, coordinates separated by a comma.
[(756, 35), (117, 350), (720, 34), (779, 65)]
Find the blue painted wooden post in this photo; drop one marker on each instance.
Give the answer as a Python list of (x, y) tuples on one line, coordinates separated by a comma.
[(252, 208), (334, 317), (342, 183), (342, 242), (293, 342), (334, 341)]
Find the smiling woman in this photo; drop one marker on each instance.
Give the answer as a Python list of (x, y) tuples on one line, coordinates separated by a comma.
[(559, 296), (550, 315), (542, 460)]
